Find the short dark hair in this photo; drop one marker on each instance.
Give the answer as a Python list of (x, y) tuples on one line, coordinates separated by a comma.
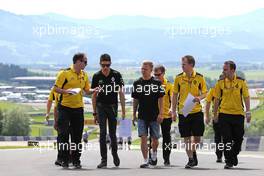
[(105, 57), (78, 56), (231, 64), (160, 67), (190, 59)]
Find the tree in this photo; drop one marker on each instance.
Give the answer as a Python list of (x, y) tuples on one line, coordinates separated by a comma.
[(16, 123), (10, 71), (241, 74)]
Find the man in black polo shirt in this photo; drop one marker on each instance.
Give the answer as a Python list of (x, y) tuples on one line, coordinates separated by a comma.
[(147, 97), (105, 106)]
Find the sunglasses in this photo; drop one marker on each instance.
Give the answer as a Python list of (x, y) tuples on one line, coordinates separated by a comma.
[(157, 74), (84, 61), (105, 65)]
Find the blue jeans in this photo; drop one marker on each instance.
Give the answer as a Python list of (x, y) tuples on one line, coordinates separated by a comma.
[(144, 127)]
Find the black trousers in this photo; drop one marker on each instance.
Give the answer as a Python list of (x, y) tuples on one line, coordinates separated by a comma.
[(70, 122), (232, 129), (107, 113), (218, 139), (166, 138)]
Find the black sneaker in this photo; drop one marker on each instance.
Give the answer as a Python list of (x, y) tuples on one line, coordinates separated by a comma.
[(228, 166), (153, 162), (195, 158), (191, 163), (235, 161), (65, 165), (219, 160), (77, 165), (116, 160), (102, 165), (58, 162), (167, 163), (146, 165)]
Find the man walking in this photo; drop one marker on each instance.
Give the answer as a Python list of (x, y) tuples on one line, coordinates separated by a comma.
[(159, 73), (191, 127), (105, 106), (147, 97), (231, 93), (70, 84)]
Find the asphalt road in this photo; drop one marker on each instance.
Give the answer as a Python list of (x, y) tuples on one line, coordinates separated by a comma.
[(32, 162)]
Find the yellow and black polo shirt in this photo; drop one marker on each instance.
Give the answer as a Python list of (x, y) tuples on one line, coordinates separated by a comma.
[(210, 96), (53, 96), (168, 87), (231, 94), (69, 79), (194, 85)]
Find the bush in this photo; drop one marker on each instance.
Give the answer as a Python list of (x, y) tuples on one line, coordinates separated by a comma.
[(256, 128), (16, 123)]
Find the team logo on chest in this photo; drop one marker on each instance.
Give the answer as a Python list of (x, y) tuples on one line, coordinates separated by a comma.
[(100, 81), (113, 79), (194, 82)]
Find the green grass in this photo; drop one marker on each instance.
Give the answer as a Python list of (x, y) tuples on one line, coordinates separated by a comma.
[(8, 105), (37, 130), (15, 147), (136, 142), (40, 118), (92, 136), (258, 113), (213, 74)]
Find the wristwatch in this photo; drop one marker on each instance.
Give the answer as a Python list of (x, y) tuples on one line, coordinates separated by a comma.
[(94, 114)]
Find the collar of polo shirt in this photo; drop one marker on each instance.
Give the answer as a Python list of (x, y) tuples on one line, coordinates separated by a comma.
[(165, 81), (193, 74), (72, 68), (80, 76), (235, 78)]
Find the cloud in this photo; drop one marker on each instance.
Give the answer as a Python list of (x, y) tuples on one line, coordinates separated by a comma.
[(159, 8)]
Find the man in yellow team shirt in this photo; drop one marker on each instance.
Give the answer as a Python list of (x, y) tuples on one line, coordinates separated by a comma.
[(191, 127), (231, 92), (70, 84), (159, 72)]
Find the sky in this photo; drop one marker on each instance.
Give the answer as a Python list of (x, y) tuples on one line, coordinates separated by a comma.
[(95, 9)]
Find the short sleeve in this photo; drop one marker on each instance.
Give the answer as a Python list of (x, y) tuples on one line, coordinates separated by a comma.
[(60, 80), (209, 96), (94, 81), (134, 93), (51, 96), (245, 91), (170, 88), (120, 80), (87, 83), (176, 85), (217, 92), (161, 91), (203, 86)]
